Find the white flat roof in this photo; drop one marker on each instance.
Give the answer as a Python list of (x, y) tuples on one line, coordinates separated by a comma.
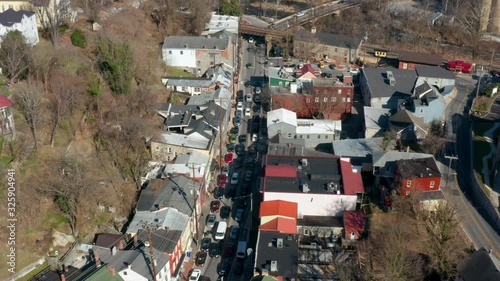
[(313, 126), (184, 140)]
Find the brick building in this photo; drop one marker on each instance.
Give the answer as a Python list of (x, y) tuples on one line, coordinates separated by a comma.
[(328, 98)]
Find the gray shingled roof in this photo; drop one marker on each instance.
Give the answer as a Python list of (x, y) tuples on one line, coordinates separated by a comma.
[(434, 72), (199, 82), (357, 147), (480, 266), (162, 240), (376, 118), (379, 87), (329, 39), (194, 42), (165, 193), (418, 168), (10, 17), (420, 58), (381, 158)]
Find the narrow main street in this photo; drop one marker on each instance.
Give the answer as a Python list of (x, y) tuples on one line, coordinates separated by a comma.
[(460, 178)]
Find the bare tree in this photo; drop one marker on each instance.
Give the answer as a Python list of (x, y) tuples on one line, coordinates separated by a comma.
[(70, 187), (474, 23), (91, 8), (15, 56), (445, 246), (434, 142), (28, 97), (200, 15), (52, 14), (62, 100), (163, 12)]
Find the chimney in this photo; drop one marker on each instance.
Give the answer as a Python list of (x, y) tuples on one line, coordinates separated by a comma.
[(66, 268), (97, 260), (121, 245), (136, 240), (313, 29), (63, 278), (346, 77)]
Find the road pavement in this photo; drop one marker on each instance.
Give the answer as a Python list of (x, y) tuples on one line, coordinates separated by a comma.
[(459, 180)]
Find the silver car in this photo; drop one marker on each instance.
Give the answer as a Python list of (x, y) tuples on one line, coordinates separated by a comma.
[(211, 220)]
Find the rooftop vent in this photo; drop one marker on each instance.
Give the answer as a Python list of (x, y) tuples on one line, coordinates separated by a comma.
[(332, 187), (274, 266), (389, 74), (392, 81), (146, 243), (279, 242), (305, 188), (304, 162)]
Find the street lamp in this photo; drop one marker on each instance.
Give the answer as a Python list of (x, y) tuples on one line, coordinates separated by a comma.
[(364, 55)]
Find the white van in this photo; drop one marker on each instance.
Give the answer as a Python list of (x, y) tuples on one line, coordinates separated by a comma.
[(242, 249), (220, 233)]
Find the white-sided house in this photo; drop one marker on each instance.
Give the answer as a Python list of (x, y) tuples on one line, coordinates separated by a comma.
[(307, 132), (321, 186), (23, 21)]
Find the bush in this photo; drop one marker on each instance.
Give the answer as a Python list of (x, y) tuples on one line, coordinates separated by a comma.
[(78, 39)]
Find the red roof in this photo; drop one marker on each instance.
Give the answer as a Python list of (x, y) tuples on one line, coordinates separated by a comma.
[(281, 171), (279, 208), (308, 68), (281, 225), (354, 221), (4, 101), (351, 181)]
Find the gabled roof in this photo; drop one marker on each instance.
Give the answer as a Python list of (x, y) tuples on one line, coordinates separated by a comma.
[(351, 181), (162, 240), (418, 168), (434, 72), (10, 17), (354, 221), (376, 118), (168, 217), (224, 34), (164, 193), (281, 225), (381, 158), (308, 68), (329, 39), (4, 101), (278, 208), (108, 240), (404, 118), (480, 266), (194, 42), (422, 89), (281, 116), (379, 86), (420, 58)]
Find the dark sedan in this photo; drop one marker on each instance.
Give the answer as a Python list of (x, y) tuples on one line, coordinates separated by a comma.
[(205, 243), (225, 212), (218, 192), (214, 250)]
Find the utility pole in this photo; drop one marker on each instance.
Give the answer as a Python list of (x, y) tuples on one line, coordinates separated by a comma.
[(195, 199), (153, 261), (451, 158)]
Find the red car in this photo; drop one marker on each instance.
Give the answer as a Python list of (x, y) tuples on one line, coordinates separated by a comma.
[(201, 257), (229, 158), (214, 206), (229, 250), (223, 179)]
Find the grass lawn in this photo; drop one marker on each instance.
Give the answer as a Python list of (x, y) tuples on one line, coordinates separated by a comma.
[(33, 272), (23, 259), (174, 71)]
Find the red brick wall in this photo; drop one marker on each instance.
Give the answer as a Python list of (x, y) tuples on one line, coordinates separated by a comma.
[(418, 184), (319, 103)]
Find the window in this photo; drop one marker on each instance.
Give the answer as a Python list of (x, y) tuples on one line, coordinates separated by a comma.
[(289, 135), (280, 83), (408, 184), (308, 100), (325, 99), (335, 50), (295, 137), (184, 89), (432, 184), (169, 150), (407, 192), (300, 136), (339, 91), (316, 99), (421, 110), (326, 137), (159, 274), (308, 136), (334, 99), (348, 92), (182, 52), (169, 52), (343, 99), (348, 99), (124, 273), (319, 136), (175, 153), (306, 232), (197, 89)]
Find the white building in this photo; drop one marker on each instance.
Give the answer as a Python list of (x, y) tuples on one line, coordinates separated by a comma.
[(23, 21), (307, 132), (220, 22), (321, 186)]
